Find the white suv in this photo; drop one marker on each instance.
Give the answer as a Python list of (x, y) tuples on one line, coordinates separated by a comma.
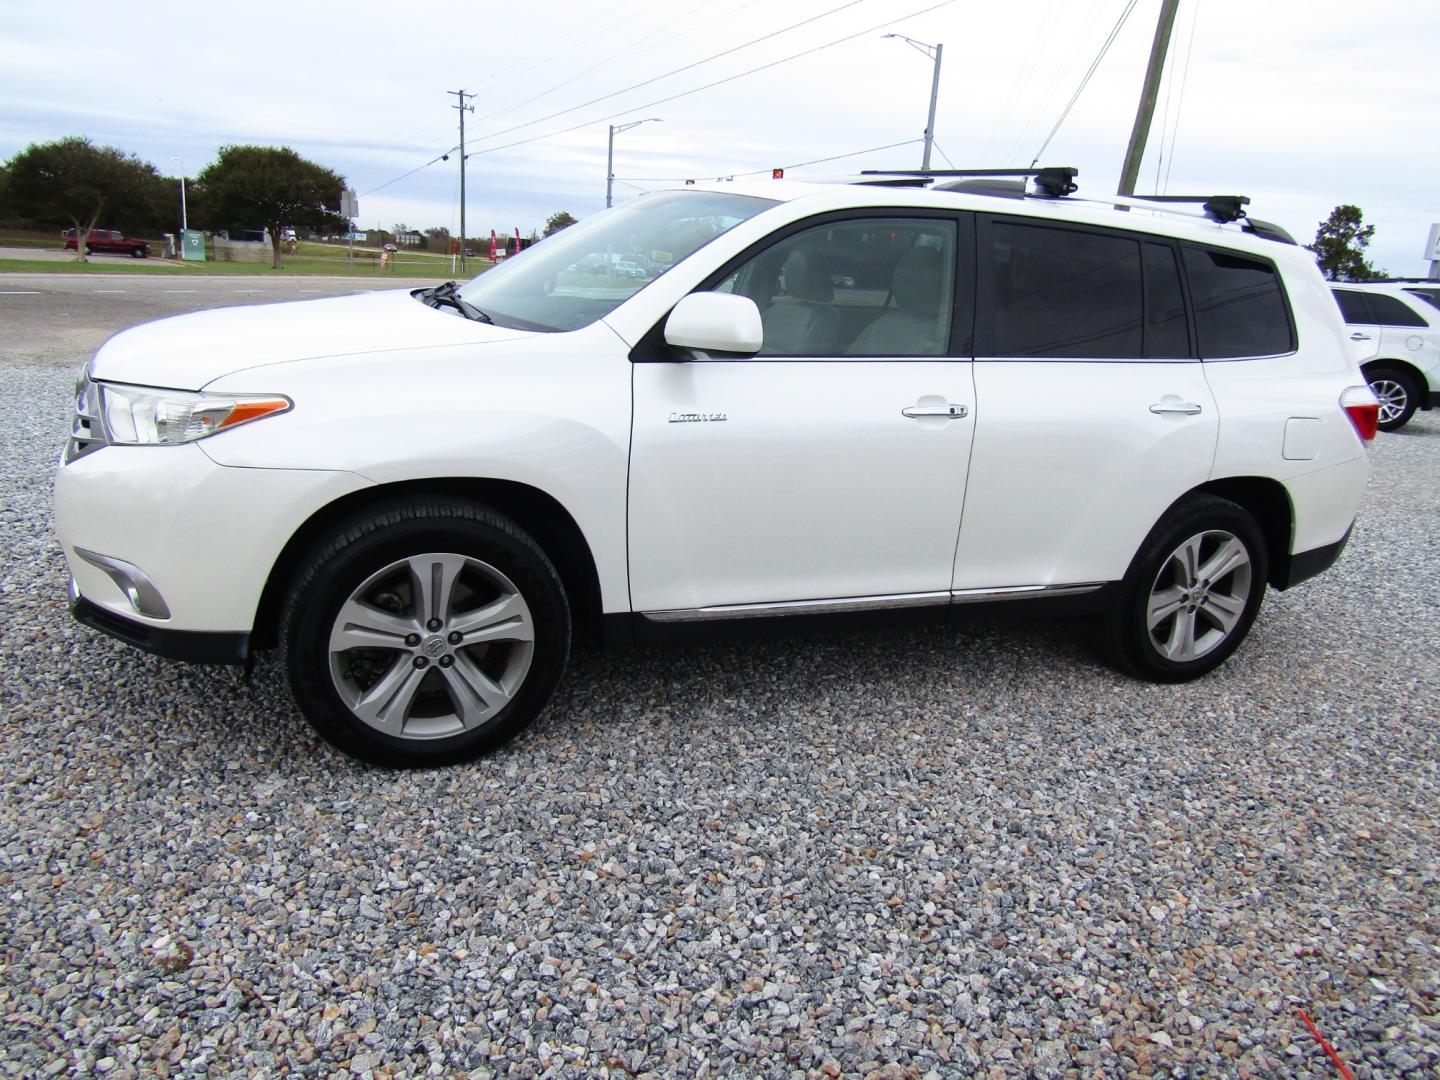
[(1395, 337), (823, 400)]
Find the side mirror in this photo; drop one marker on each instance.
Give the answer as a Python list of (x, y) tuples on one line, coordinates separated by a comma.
[(716, 323)]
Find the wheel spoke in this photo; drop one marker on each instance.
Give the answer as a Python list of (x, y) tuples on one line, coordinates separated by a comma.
[(1165, 603), (1224, 610), (1181, 645), (386, 704), (507, 619), (1231, 556), (1187, 558), (360, 626), (474, 694), (434, 577)]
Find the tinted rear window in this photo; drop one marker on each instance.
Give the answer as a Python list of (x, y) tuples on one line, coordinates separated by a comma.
[(1240, 308), (1064, 293), (1430, 296), (1353, 306), (1392, 312)]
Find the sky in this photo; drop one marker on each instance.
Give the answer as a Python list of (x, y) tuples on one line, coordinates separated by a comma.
[(1300, 104)]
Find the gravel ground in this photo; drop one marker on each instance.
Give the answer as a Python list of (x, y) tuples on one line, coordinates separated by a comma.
[(893, 854)]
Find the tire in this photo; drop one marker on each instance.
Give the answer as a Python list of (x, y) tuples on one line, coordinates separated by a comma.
[(385, 684), (89, 250), (1397, 394), (137, 253), (1203, 617)]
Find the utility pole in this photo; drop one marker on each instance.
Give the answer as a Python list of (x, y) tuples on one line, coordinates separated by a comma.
[(934, 52), (615, 129), (462, 95), (1130, 171)]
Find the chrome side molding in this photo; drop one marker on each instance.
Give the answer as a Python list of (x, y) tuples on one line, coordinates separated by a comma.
[(867, 603)]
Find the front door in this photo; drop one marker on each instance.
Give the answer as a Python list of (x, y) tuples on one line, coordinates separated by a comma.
[(831, 467)]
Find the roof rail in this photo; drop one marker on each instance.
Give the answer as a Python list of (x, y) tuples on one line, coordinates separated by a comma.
[(1054, 181), (1222, 209)]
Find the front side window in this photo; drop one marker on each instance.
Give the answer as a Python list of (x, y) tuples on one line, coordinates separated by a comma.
[(1392, 312), (1240, 308), (855, 287), (581, 274), (1065, 293)]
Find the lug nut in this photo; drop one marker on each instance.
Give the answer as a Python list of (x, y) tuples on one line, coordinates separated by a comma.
[(434, 624), (412, 640), (421, 662), (447, 660), (455, 637)]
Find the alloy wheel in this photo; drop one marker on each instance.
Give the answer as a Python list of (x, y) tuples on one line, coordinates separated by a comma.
[(1199, 596)]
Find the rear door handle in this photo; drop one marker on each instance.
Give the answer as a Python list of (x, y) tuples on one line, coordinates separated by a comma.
[(1357, 336), (1182, 408), (945, 412)]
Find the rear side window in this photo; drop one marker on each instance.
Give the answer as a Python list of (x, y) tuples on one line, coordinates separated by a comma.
[(1240, 309), (1430, 296), (1064, 293), (1392, 312), (1353, 306)]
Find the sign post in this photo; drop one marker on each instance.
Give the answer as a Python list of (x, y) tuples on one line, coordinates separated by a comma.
[(350, 210), (1432, 250)]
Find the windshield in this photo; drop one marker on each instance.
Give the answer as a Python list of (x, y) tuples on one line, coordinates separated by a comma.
[(581, 274)]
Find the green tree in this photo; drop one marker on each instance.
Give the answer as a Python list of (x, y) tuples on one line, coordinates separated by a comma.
[(561, 219), (73, 180), (1340, 244), (271, 187)]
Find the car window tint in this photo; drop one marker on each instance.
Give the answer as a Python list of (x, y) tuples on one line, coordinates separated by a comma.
[(855, 287), (1430, 296), (1353, 306), (1239, 306), (1167, 335), (1392, 312), (1064, 293)]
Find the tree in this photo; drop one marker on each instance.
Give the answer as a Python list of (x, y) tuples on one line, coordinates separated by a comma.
[(1340, 244), (73, 180), (561, 219), (270, 186)]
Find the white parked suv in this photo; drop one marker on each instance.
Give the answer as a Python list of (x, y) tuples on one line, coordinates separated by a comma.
[(1395, 337), (1007, 400)]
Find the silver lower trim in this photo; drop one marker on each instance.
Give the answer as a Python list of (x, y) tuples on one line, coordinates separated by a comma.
[(1024, 592), (867, 603), (144, 597), (799, 607)]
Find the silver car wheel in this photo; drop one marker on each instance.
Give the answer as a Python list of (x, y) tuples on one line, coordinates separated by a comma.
[(431, 646), (1393, 399), (1199, 596)]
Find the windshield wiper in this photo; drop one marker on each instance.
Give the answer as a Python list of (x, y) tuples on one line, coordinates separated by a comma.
[(447, 294)]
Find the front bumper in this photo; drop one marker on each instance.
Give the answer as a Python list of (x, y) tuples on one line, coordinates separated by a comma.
[(205, 537)]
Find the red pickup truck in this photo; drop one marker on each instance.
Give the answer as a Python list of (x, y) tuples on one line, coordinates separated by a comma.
[(112, 240)]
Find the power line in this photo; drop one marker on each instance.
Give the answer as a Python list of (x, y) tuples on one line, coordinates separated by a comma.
[(717, 82), (412, 172), (1094, 64), (1180, 104), (1060, 73), (676, 71), (757, 172)]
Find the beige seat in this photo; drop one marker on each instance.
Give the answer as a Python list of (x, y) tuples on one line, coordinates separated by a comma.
[(914, 327), (802, 323)]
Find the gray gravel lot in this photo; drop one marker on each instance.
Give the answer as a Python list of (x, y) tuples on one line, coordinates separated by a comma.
[(901, 853)]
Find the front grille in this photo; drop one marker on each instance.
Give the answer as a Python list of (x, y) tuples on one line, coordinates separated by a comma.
[(88, 431)]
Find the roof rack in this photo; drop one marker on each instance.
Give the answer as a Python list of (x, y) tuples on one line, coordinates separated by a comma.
[(1054, 181), (1222, 209), (1399, 281)]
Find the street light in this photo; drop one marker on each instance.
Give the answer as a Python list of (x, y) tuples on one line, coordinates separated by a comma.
[(184, 220), (610, 155), (933, 52)]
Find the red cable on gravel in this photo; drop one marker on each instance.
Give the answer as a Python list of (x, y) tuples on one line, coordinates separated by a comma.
[(1345, 1072)]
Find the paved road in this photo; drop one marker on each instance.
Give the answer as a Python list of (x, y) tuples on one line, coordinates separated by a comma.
[(48, 317)]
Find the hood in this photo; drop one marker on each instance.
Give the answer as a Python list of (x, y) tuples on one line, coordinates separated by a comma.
[(184, 352)]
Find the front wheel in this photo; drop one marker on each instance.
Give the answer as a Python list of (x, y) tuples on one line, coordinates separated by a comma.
[(425, 634), (1191, 594), (1397, 395), (137, 253)]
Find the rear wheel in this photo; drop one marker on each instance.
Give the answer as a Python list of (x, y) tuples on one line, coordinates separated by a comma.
[(1397, 395), (425, 634), (1192, 593)]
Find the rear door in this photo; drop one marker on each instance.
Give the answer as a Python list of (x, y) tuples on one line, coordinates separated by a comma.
[(1359, 319), (1093, 413)]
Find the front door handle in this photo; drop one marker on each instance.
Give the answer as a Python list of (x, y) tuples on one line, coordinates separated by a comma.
[(945, 412), (1357, 336), (1182, 408)]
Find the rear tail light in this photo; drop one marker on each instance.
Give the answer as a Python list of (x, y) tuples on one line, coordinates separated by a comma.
[(1364, 411)]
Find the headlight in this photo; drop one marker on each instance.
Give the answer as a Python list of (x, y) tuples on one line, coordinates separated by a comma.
[(141, 416)]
